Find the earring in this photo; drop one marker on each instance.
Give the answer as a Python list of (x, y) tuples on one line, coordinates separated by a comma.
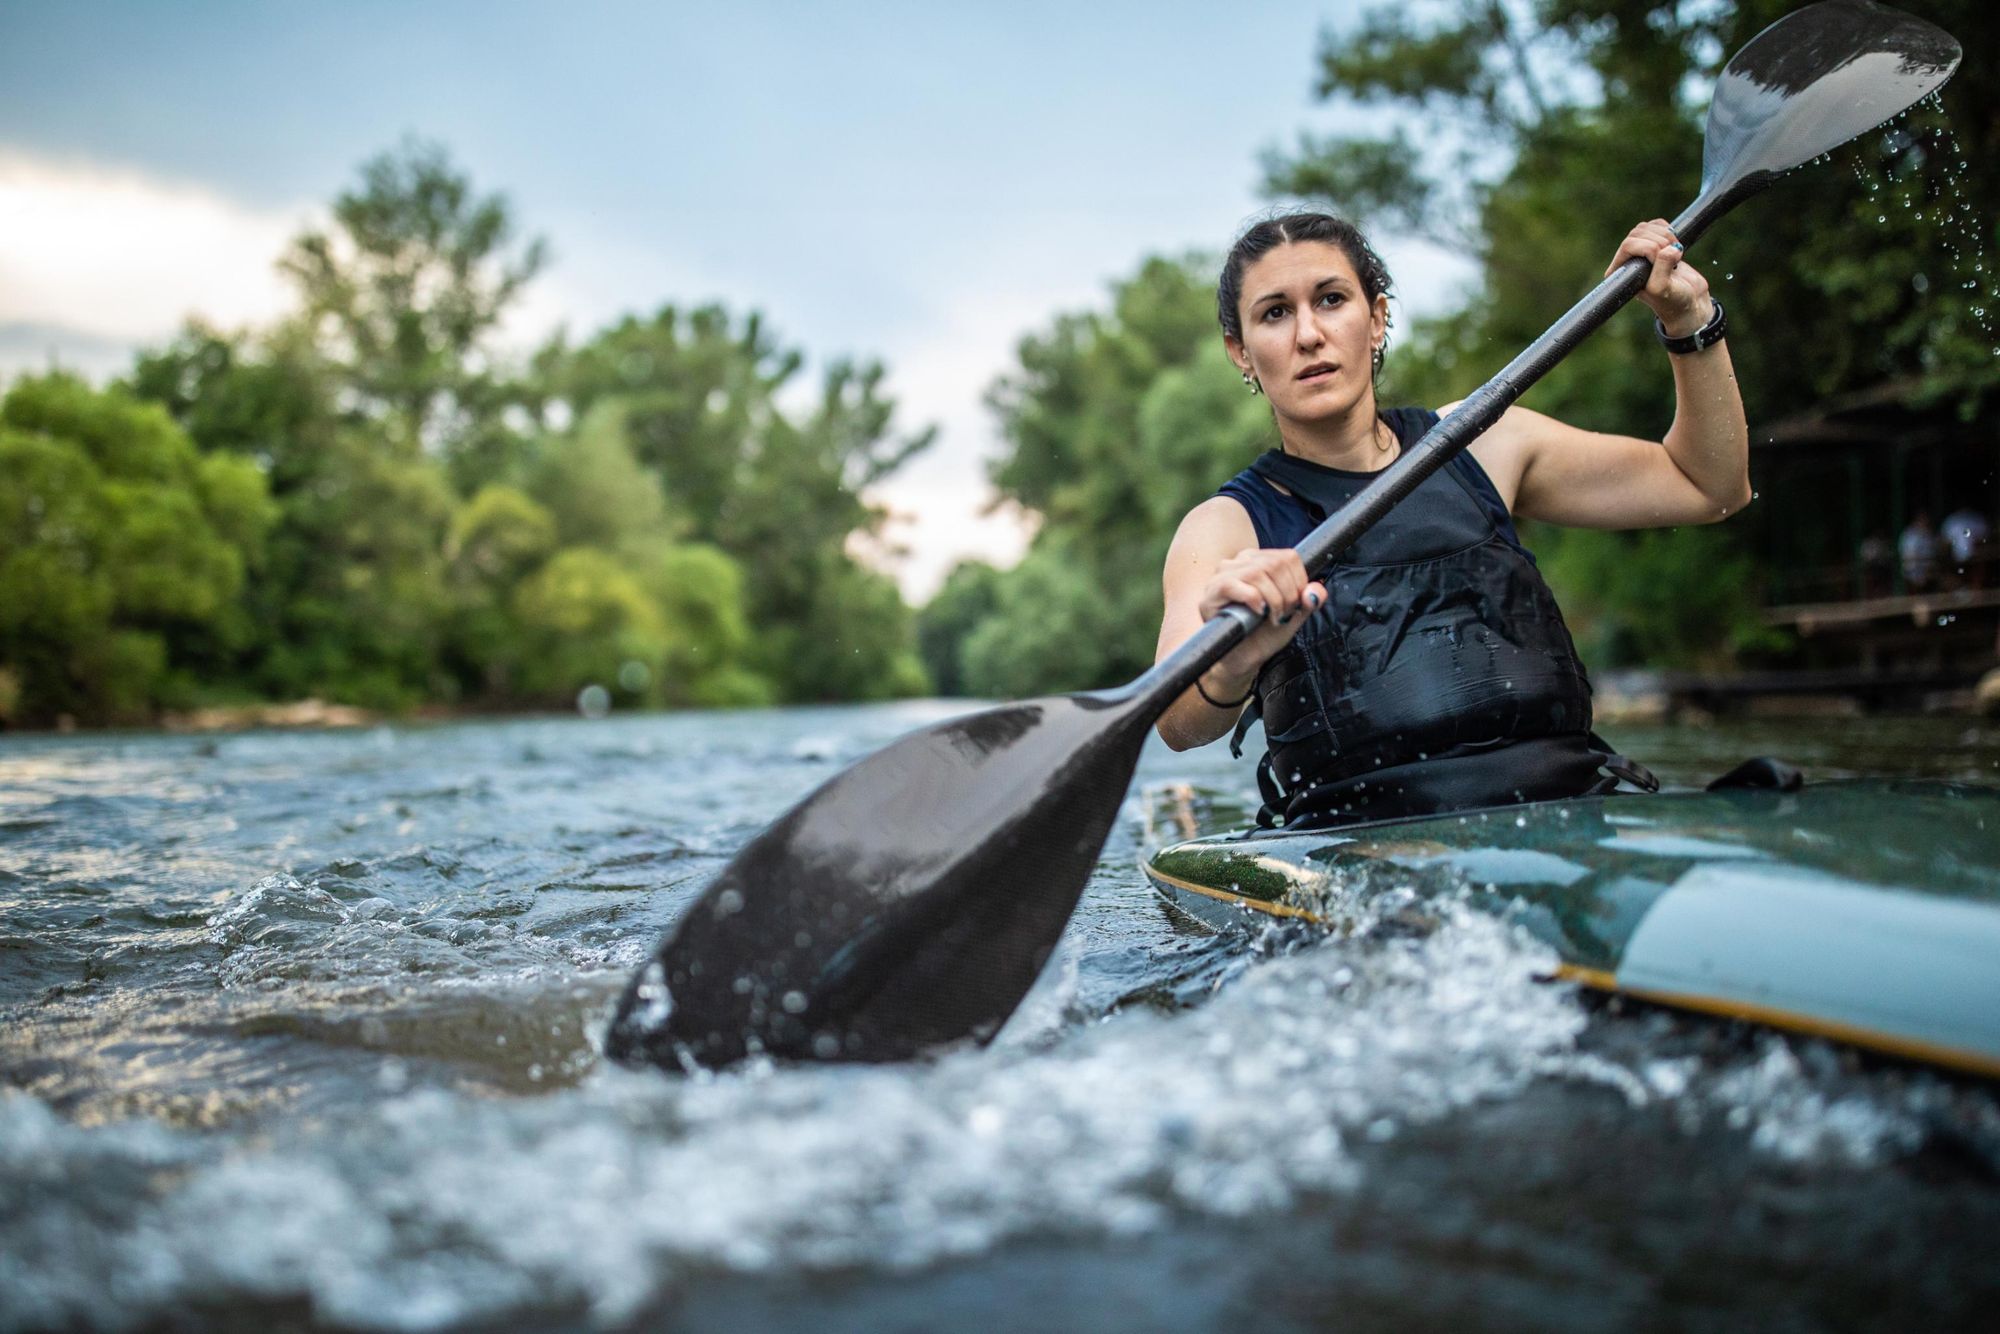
[(1250, 383)]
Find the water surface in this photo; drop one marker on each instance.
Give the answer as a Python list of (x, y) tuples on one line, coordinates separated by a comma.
[(301, 1027)]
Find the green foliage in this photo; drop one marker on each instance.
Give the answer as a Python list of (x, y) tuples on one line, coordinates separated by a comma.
[(970, 595), (592, 486), (833, 645), (358, 574), (1120, 423), (1062, 625), (699, 591), (414, 275), (693, 398), (584, 619), (118, 543), (1381, 182), (498, 536), (695, 387), (1664, 597), (400, 517)]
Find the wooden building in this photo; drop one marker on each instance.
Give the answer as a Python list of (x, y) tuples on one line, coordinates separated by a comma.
[(1837, 488)]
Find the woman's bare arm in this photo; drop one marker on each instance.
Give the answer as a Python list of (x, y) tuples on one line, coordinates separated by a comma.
[(1214, 560), (1699, 473)]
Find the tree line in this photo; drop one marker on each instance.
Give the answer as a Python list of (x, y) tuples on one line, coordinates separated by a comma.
[(368, 503)]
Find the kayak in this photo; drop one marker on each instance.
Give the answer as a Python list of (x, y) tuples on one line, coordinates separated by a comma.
[(1866, 911)]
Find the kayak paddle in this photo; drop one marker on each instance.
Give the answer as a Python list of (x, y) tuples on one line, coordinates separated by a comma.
[(910, 902)]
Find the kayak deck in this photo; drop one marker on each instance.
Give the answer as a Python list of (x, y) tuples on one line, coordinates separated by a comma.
[(1866, 911)]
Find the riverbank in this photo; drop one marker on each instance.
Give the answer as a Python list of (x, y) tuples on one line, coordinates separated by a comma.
[(1625, 698)]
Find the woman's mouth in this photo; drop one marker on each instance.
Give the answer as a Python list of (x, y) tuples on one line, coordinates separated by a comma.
[(1319, 370)]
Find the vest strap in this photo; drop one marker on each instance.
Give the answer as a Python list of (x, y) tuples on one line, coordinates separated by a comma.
[(1252, 711)]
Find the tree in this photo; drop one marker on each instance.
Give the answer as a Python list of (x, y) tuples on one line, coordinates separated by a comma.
[(653, 458), (970, 595), (120, 546), (1120, 421), (692, 399), (695, 388), (349, 600), (416, 272)]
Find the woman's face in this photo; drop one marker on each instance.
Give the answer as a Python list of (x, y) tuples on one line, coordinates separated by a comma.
[(1309, 334)]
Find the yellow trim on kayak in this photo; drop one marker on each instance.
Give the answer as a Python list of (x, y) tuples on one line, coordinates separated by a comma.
[(1594, 978), (1257, 905), (1915, 1049)]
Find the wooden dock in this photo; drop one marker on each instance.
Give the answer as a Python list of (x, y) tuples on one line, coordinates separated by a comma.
[(1922, 651)]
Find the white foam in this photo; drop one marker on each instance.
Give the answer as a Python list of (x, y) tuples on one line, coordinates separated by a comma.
[(435, 1207)]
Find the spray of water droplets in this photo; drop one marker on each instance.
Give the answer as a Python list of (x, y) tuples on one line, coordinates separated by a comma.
[(1898, 181)]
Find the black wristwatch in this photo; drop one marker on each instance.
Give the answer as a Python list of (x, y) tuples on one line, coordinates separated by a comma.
[(1708, 335)]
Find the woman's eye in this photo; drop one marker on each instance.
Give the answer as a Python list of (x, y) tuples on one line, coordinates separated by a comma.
[(1272, 313), (1331, 298)]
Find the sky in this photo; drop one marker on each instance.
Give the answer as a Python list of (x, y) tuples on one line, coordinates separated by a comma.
[(919, 183)]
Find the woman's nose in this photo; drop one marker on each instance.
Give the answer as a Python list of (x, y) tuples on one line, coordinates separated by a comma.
[(1311, 338)]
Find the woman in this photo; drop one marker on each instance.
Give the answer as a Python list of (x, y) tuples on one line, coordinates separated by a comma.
[(1431, 669)]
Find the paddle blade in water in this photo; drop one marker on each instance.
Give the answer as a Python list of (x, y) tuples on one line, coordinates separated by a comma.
[(907, 904), (1814, 80)]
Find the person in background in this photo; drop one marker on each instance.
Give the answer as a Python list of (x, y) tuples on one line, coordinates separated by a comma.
[(1918, 548), (1965, 533), (1878, 564)]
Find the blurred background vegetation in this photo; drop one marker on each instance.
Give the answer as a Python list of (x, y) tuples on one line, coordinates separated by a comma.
[(368, 503)]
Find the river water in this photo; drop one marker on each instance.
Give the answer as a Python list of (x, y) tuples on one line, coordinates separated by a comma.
[(300, 1029)]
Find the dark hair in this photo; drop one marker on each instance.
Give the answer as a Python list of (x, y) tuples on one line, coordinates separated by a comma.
[(1263, 237)]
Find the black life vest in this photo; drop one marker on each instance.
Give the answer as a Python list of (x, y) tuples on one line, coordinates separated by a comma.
[(1438, 676)]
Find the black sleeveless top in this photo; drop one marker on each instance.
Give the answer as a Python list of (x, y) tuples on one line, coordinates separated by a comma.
[(1438, 676)]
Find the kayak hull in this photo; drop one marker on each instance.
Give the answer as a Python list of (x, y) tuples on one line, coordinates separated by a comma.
[(1864, 911)]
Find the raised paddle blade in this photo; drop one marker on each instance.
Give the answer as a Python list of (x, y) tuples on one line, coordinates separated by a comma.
[(907, 904), (1814, 80)]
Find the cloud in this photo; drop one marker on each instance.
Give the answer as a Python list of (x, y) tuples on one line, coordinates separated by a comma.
[(115, 255), (940, 502)]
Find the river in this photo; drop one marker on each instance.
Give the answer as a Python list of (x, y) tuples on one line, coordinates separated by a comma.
[(298, 1029)]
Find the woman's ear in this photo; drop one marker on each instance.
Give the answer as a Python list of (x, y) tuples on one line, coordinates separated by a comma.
[(1378, 320), (1237, 355)]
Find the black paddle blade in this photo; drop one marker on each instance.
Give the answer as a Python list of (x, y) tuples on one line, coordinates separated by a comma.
[(1813, 80), (907, 904)]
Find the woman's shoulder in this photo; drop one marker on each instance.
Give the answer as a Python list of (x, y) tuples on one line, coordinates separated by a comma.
[(1214, 530), (1220, 513)]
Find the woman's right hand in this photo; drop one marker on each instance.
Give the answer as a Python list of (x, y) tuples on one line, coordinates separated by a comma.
[(1273, 583)]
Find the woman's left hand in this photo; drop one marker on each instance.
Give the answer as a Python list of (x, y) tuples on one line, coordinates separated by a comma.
[(1677, 293)]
